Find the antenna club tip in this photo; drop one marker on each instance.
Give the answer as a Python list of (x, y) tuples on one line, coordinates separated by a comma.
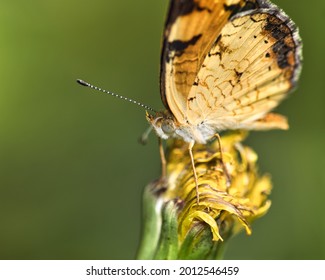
[(83, 83)]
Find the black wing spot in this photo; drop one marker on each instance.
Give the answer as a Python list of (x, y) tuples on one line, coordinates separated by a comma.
[(238, 74), (282, 50), (280, 31), (183, 8), (180, 46)]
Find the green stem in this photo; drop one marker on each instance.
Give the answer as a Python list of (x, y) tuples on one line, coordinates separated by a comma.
[(151, 218)]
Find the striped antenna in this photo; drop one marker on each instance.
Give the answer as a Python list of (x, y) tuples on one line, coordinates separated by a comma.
[(83, 83)]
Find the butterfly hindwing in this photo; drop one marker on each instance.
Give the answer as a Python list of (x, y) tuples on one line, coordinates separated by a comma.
[(251, 67)]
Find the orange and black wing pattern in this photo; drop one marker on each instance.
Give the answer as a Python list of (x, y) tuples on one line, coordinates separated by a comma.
[(227, 63)]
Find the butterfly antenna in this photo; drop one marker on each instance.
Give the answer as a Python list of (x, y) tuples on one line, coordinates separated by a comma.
[(86, 84)]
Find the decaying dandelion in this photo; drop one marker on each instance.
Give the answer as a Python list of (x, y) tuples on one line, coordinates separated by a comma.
[(176, 227)]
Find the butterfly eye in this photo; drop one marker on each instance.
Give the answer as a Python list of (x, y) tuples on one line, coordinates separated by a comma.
[(167, 126)]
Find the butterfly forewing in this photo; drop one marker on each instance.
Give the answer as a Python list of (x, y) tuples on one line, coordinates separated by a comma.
[(192, 27)]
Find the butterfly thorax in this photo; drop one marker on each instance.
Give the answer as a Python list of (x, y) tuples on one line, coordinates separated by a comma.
[(166, 126)]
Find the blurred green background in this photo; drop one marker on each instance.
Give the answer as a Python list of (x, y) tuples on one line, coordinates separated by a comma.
[(72, 171)]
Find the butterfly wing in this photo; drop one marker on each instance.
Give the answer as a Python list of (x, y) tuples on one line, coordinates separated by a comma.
[(191, 29), (228, 63)]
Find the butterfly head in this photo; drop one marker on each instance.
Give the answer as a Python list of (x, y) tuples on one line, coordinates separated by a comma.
[(166, 126), (163, 123)]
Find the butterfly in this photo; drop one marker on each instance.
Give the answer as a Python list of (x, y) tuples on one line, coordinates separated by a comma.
[(225, 65)]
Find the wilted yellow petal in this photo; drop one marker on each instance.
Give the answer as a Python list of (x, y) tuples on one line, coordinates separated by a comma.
[(232, 206), (206, 218)]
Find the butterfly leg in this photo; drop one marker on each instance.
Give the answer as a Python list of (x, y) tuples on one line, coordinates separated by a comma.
[(225, 171), (162, 158), (190, 149)]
